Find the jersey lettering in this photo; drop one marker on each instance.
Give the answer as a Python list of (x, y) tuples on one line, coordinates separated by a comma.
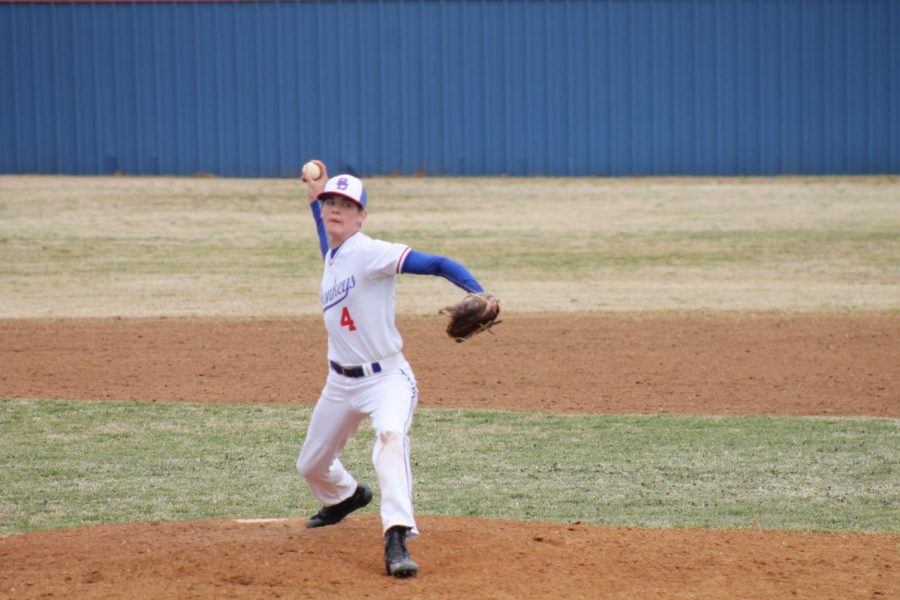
[(347, 320), (338, 292)]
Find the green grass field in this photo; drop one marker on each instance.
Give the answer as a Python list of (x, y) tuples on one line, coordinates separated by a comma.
[(66, 464)]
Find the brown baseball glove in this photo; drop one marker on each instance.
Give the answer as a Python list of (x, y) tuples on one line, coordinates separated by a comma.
[(474, 314)]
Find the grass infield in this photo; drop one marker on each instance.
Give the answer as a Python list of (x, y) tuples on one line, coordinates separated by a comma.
[(65, 463)]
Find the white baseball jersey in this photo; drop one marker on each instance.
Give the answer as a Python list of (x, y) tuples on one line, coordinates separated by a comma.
[(359, 294)]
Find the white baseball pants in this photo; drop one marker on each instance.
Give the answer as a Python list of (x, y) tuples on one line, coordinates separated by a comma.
[(389, 398)]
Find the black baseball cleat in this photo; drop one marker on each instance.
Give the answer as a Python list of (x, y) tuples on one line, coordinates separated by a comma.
[(329, 515), (396, 558)]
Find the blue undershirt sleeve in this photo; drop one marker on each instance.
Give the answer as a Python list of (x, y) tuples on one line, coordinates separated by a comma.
[(419, 263), (316, 208)]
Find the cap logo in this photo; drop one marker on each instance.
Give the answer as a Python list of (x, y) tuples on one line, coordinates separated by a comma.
[(342, 183)]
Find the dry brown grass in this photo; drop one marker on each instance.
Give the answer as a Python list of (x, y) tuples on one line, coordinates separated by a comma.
[(130, 246)]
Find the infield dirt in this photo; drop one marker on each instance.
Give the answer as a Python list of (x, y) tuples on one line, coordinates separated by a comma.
[(691, 364), (804, 364)]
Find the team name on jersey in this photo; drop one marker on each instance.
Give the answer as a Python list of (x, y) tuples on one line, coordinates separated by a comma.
[(338, 292)]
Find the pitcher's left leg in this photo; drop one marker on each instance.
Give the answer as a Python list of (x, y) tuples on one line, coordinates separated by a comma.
[(393, 407)]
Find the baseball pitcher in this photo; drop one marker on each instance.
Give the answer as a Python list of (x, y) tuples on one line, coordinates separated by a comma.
[(368, 375)]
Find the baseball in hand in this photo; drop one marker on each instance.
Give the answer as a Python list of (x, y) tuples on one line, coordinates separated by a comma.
[(312, 171)]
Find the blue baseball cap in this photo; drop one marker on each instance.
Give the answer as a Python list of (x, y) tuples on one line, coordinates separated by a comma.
[(345, 186)]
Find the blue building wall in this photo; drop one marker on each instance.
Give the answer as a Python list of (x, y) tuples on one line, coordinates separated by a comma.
[(574, 87)]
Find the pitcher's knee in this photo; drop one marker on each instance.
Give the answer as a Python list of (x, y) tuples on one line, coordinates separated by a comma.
[(308, 467), (302, 467), (389, 437), (389, 446)]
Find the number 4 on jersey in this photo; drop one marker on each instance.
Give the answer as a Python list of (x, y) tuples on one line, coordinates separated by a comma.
[(347, 320)]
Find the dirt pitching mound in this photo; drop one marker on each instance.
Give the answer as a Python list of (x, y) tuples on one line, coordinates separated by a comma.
[(460, 559)]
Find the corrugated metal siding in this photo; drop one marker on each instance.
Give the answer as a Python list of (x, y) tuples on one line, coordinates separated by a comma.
[(452, 87)]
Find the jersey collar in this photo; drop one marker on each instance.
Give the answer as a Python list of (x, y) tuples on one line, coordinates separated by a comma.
[(332, 252)]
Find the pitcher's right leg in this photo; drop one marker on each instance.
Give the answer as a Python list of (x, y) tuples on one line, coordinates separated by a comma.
[(331, 425)]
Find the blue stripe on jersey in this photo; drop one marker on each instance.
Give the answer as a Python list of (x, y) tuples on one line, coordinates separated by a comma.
[(419, 263)]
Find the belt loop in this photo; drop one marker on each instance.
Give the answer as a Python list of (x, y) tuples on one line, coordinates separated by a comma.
[(371, 368)]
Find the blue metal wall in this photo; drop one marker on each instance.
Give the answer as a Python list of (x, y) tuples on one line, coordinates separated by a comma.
[(571, 87)]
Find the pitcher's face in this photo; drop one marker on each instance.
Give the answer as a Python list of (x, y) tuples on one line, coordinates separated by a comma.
[(342, 218)]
